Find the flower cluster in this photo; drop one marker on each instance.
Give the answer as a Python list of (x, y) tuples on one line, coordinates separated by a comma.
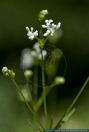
[(30, 57), (8, 72), (42, 14), (49, 25)]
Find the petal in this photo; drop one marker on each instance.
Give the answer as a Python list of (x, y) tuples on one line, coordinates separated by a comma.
[(44, 26), (32, 29), (27, 28)]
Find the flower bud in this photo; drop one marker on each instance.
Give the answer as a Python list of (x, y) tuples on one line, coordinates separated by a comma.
[(28, 74), (8, 72), (59, 80), (4, 69), (42, 14)]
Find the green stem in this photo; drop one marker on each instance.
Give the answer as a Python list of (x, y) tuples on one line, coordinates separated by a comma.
[(40, 100), (35, 82), (44, 93), (35, 92), (60, 122), (46, 39), (19, 90)]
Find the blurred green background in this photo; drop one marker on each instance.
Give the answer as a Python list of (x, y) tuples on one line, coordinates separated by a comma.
[(14, 17)]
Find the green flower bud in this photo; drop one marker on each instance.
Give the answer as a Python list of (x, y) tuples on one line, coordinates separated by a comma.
[(4, 70), (59, 80), (28, 74), (8, 72), (42, 14)]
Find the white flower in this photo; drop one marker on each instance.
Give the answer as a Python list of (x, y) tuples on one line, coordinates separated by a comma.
[(4, 69), (26, 59), (31, 35), (29, 57), (44, 54), (51, 27), (44, 12), (37, 52), (36, 47)]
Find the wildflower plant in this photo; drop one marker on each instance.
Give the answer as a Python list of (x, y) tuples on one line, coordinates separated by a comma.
[(35, 57)]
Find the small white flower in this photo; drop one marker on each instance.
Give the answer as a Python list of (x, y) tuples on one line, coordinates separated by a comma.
[(31, 35), (29, 57), (44, 54), (51, 27), (4, 69), (37, 52), (26, 59), (36, 47), (44, 12)]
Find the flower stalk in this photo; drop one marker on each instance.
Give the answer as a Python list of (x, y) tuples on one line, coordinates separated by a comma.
[(35, 87), (19, 90), (44, 92)]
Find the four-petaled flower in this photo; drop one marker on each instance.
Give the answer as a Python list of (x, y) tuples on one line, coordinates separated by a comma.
[(31, 35), (51, 27)]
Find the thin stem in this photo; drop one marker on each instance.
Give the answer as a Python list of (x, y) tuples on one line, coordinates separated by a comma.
[(19, 90), (46, 39), (35, 91), (60, 122), (35, 82), (40, 100), (44, 92)]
